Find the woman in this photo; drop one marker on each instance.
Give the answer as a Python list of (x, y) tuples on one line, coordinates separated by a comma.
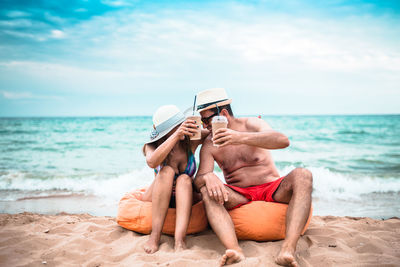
[(170, 152)]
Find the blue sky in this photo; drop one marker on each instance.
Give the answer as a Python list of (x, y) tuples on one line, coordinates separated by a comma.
[(107, 58)]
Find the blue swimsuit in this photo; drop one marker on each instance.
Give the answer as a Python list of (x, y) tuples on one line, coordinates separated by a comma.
[(190, 169)]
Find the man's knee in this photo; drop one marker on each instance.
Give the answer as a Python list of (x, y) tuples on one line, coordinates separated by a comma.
[(303, 177)]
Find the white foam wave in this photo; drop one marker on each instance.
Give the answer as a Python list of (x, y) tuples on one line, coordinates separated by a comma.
[(327, 184), (110, 188)]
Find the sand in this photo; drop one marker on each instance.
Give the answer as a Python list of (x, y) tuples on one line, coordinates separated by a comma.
[(29, 239)]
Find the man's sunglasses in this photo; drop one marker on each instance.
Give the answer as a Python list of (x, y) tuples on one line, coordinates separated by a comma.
[(207, 120)]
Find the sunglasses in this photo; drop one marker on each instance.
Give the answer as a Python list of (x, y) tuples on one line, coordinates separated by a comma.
[(207, 119)]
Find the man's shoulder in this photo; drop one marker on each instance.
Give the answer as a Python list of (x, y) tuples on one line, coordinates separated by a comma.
[(253, 123)]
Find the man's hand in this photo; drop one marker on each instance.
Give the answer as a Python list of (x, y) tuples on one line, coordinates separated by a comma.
[(226, 136), (215, 188)]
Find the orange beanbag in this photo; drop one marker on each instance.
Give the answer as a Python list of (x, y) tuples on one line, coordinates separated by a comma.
[(134, 214), (261, 221)]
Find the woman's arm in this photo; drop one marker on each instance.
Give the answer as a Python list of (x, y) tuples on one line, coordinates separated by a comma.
[(155, 156)]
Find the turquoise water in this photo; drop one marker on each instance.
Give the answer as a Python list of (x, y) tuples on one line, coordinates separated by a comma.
[(50, 165)]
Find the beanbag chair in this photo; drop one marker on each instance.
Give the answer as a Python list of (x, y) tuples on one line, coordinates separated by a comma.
[(134, 214), (261, 221)]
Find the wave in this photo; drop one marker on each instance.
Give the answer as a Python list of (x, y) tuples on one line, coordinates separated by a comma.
[(112, 187), (355, 132), (327, 184)]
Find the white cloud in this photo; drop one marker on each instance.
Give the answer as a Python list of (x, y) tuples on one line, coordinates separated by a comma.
[(14, 95), (27, 95), (81, 10), (16, 23), (77, 79), (57, 34), (21, 34), (306, 62), (53, 18), (115, 3), (17, 14), (349, 44)]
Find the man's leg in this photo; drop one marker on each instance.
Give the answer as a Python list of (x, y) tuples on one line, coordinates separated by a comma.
[(295, 189), (222, 224)]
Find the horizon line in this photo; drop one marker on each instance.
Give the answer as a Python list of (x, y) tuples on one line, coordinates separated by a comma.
[(239, 115)]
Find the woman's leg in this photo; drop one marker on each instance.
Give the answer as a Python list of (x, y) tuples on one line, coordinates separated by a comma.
[(149, 192), (184, 198), (161, 196)]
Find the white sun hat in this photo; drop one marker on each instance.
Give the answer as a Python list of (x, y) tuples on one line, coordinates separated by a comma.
[(165, 119), (209, 98)]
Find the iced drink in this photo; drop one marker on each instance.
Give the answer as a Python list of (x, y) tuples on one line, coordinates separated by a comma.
[(218, 122), (197, 119)]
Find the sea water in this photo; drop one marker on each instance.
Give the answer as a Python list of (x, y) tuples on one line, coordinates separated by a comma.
[(85, 165)]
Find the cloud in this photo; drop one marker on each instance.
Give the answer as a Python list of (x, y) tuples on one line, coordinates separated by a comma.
[(17, 14), (169, 49), (81, 10), (57, 34), (67, 79), (116, 3), (27, 95)]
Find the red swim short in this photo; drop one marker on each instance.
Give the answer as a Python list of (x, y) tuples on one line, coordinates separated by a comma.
[(262, 192)]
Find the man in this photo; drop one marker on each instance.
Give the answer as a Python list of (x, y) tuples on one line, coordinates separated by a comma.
[(250, 173)]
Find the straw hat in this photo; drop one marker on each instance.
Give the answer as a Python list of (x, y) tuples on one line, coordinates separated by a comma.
[(208, 98), (165, 119)]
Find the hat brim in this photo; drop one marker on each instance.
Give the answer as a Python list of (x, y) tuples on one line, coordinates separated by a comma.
[(160, 135), (222, 103)]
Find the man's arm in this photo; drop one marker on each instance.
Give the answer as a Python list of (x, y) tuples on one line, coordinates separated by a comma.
[(260, 134), (205, 176)]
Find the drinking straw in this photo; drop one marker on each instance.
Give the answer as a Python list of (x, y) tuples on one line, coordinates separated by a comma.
[(194, 104), (217, 108)]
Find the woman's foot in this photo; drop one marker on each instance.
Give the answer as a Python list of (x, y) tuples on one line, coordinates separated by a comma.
[(231, 256), (286, 258), (180, 245), (152, 244)]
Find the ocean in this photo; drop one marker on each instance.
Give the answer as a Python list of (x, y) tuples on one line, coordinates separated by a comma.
[(85, 165)]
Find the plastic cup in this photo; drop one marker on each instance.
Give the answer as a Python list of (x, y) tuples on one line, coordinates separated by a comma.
[(197, 119), (218, 122)]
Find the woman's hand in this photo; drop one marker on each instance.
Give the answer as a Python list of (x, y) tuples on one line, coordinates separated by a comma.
[(188, 127)]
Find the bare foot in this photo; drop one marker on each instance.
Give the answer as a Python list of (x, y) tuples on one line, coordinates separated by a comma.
[(286, 258), (231, 256), (151, 245), (180, 246)]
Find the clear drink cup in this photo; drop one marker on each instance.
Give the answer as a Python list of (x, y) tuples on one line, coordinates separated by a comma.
[(218, 122), (197, 119)]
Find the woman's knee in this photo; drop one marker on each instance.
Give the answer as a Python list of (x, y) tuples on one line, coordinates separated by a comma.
[(184, 180), (166, 174)]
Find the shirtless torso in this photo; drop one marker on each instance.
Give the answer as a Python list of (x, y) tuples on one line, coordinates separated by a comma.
[(237, 162), (243, 165)]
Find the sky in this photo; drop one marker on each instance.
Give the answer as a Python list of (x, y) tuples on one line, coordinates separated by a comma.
[(127, 58)]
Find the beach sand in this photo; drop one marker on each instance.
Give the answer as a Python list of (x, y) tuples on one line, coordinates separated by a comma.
[(29, 239)]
